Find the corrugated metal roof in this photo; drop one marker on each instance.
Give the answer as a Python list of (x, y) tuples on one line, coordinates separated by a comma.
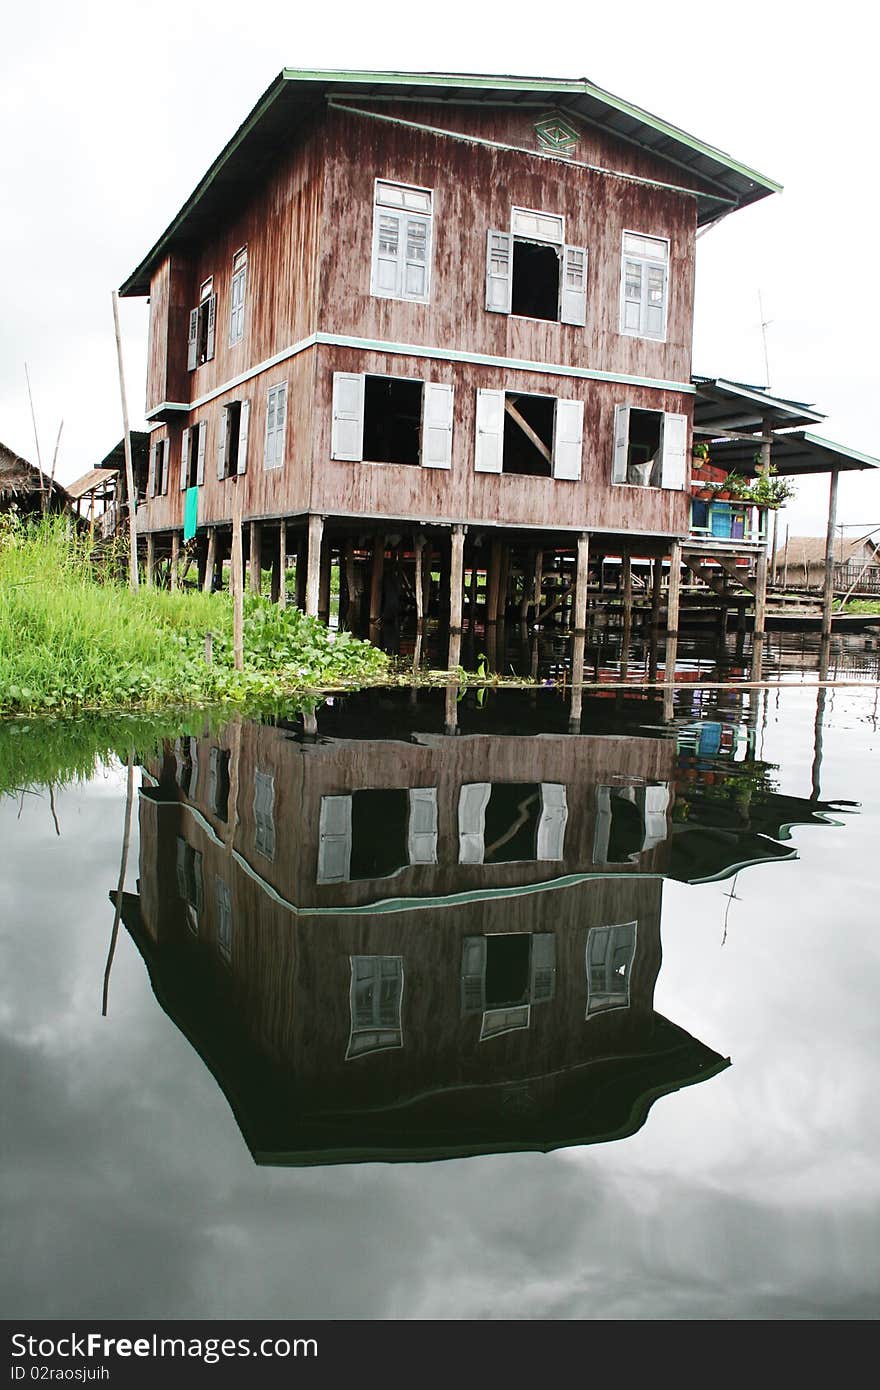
[(724, 183), (734, 405), (797, 452)]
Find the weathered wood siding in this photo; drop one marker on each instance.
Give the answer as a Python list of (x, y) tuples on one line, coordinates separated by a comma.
[(170, 295)]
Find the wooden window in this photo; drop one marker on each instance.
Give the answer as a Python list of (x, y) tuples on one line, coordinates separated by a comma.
[(218, 785), (532, 273), (157, 476), (276, 426), (202, 327), (233, 429), (264, 814), (391, 420), (630, 820), (189, 881), (375, 832), (223, 900), (402, 220), (609, 957), (511, 822), (538, 436), (504, 974), (237, 293), (375, 1000), (644, 279), (192, 456), (650, 448)]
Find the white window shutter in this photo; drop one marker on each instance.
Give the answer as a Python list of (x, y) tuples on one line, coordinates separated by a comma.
[(389, 231), (422, 827), (192, 346), (656, 807), (554, 817), (490, 432), (221, 442), (200, 457), (184, 458), (243, 436), (347, 435), (675, 434), (472, 802), (151, 476), (212, 327), (280, 424), (573, 287), (437, 406), (568, 438), (602, 837), (473, 974), (499, 272), (334, 839), (543, 967), (621, 443)]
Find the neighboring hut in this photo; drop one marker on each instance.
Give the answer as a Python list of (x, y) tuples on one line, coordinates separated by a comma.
[(25, 489), (856, 563), (99, 492)]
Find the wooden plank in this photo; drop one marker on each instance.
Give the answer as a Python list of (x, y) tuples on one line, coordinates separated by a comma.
[(527, 430)]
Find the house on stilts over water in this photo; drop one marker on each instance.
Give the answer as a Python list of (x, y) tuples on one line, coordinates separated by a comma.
[(442, 324)]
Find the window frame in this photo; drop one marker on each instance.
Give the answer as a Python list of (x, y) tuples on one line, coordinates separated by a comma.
[(237, 311), (665, 415), (387, 1036), (646, 263), (278, 462), (401, 214)]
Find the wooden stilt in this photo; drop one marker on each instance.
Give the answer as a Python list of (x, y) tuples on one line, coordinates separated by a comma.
[(175, 560), (282, 563), (376, 577), (313, 564), (656, 590), (150, 573), (324, 585), (577, 682), (275, 571), (456, 592), (474, 590), (255, 560), (527, 594), (418, 582), (352, 589), (493, 582), (503, 580), (301, 570), (539, 584), (760, 593), (828, 591), (210, 560), (672, 610), (581, 577), (236, 579)]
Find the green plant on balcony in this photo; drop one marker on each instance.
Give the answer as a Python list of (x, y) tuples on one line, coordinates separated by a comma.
[(738, 487), (769, 490), (700, 453)]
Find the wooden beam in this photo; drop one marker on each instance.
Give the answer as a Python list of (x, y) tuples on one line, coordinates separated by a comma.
[(581, 578), (737, 574), (761, 594), (313, 571), (696, 567), (527, 430)]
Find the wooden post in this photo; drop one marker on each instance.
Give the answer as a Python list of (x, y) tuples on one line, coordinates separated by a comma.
[(301, 570), (828, 593), (785, 560), (672, 609), (219, 562), (773, 544), (129, 468), (211, 560), (493, 582), (503, 577), (150, 575), (255, 558), (456, 594), (275, 570), (581, 577), (577, 682), (656, 590), (236, 579), (528, 572), (419, 547), (378, 571), (760, 593), (324, 581), (282, 563), (353, 590), (313, 570), (175, 560)]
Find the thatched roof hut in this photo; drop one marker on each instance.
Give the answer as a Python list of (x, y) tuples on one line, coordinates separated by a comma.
[(22, 486)]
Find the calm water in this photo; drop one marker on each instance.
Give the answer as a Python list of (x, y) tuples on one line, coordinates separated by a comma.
[(409, 1023)]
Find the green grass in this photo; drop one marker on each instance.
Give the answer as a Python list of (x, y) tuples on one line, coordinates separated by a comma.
[(863, 605), (71, 639)]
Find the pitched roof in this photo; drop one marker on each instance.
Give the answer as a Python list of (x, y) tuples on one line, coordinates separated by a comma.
[(810, 550), (19, 478), (721, 183)]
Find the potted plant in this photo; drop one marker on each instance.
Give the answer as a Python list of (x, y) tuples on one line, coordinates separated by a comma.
[(769, 490), (738, 487), (700, 454)]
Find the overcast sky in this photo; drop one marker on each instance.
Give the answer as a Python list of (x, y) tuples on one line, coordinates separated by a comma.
[(112, 111)]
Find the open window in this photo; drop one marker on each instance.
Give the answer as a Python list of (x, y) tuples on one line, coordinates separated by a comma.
[(157, 475), (629, 821), (192, 456), (375, 832), (650, 448), (202, 327), (402, 220), (503, 975), (532, 273), (538, 436), (375, 1000), (609, 958), (385, 419), (233, 439), (643, 286), (511, 822), (237, 291), (189, 881), (223, 901), (264, 814), (218, 783)]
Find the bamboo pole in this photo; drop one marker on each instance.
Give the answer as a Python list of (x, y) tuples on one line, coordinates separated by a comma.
[(27, 377), (129, 467), (55, 460), (123, 864), (282, 560), (828, 592), (419, 548)]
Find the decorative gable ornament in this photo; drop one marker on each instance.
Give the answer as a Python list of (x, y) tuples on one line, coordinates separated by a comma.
[(557, 134)]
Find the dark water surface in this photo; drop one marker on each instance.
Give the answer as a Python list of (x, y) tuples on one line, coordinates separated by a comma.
[(496, 1023)]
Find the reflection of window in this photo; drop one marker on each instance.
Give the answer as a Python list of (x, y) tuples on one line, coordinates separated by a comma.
[(610, 952), (643, 285), (224, 918), (376, 832), (629, 821), (650, 448), (375, 999), (189, 881), (504, 822), (504, 974), (401, 242), (186, 762), (219, 783), (264, 813)]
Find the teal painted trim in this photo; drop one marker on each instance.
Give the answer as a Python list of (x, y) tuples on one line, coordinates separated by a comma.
[(866, 460), (565, 86), (554, 156), (166, 405), (265, 366), (516, 364)]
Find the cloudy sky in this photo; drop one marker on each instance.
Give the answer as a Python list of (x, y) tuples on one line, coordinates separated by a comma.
[(112, 111)]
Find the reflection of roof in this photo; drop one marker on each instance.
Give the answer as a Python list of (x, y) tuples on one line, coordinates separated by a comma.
[(596, 1100), (720, 182)]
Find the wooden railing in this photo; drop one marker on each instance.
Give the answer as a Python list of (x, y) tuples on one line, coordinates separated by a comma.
[(728, 521)]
